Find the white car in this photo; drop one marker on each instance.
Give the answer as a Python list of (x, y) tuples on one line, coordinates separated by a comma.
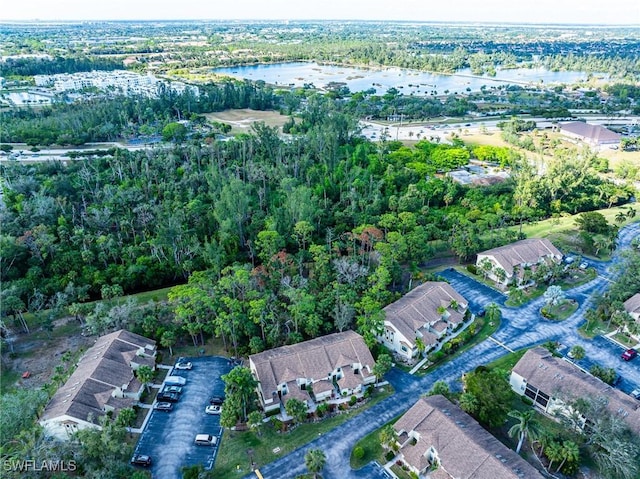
[(175, 381), (636, 393), (184, 365), (213, 409)]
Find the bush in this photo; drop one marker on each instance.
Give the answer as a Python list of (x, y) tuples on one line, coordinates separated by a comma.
[(471, 268), (358, 452), (352, 400), (435, 357), (389, 455), (527, 401)]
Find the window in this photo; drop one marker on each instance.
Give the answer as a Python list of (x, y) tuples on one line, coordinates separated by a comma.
[(404, 348)]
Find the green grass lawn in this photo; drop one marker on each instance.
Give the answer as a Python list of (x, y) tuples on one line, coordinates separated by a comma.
[(528, 294), (625, 339), (560, 311), (401, 473), (544, 228), (508, 361), (373, 450), (485, 329), (240, 448), (592, 329)]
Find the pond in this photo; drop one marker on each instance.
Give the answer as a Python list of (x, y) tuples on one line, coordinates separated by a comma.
[(381, 79)]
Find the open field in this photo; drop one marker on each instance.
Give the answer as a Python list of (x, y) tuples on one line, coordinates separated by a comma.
[(242, 120)]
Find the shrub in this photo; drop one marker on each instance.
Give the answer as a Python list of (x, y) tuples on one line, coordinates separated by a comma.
[(527, 401), (389, 455), (435, 357), (358, 452), (471, 268), (352, 400)]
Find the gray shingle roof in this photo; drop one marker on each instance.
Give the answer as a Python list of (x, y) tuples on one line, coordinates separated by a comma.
[(314, 359), (559, 378), (104, 367), (528, 251), (595, 133), (465, 449), (420, 306), (632, 305)]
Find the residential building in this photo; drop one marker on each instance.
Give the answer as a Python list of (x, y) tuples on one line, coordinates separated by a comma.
[(329, 367), (552, 382), (632, 306), (439, 440), (594, 135), (427, 314), (508, 263), (104, 382)]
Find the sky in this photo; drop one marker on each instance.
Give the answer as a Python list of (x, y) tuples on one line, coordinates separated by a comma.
[(527, 11)]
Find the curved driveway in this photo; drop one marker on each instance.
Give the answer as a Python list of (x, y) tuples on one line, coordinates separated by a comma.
[(521, 327)]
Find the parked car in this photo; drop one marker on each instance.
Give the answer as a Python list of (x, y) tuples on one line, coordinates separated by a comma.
[(636, 393), (583, 265), (213, 409), (184, 365), (629, 354), (168, 397), (175, 381), (216, 400), (141, 460), (172, 389), (206, 440), (163, 406)]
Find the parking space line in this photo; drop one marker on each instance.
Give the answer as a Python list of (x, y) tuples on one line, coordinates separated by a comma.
[(500, 343)]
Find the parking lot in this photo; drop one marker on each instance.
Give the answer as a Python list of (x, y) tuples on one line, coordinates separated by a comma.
[(169, 436)]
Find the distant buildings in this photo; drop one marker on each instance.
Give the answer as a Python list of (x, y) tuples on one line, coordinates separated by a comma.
[(427, 314), (103, 382), (508, 263), (439, 440), (594, 135), (333, 366), (117, 81), (551, 382)]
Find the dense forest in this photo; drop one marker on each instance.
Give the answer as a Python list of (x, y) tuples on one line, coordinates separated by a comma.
[(316, 231)]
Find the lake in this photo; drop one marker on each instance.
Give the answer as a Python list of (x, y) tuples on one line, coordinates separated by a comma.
[(406, 81)]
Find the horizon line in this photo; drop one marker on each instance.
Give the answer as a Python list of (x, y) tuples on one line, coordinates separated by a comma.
[(259, 20)]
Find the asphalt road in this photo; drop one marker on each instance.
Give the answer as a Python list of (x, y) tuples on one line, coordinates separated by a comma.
[(521, 327), (169, 436)]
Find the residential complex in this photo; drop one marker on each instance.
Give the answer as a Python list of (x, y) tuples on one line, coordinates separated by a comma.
[(551, 382), (117, 81), (507, 264), (426, 315), (103, 382), (438, 440), (329, 367)]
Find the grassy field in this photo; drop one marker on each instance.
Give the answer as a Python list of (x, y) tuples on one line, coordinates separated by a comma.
[(242, 120), (239, 449), (372, 448)]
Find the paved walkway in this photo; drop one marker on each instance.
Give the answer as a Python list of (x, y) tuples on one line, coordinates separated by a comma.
[(521, 328)]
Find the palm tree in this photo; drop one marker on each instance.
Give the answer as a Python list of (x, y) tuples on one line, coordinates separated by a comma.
[(387, 436), (621, 217), (527, 425), (493, 312), (145, 375), (570, 452), (315, 460), (554, 452)]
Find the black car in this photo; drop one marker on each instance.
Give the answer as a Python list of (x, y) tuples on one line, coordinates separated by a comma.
[(216, 400), (168, 397), (163, 406), (141, 460)]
